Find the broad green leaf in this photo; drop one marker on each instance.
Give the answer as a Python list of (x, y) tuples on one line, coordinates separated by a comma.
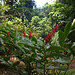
[(16, 63), (61, 38), (67, 29), (38, 58), (8, 25), (30, 45), (73, 24), (39, 70), (72, 72), (11, 31), (56, 67), (52, 55), (1, 40), (70, 48), (54, 48), (5, 63), (40, 43), (62, 69), (72, 30), (6, 58), (34, 39), (17, 46), (13, 36), (52, 67), (62, 61), (71, 57), (1, 60), (55, 38)]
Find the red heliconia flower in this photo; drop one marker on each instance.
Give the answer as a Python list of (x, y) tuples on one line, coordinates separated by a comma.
[(47, 36), (46, 40), (65, 53), (56, 27), (24, 34), (53, 31), (8, 32), (29, 35), (50, 34)]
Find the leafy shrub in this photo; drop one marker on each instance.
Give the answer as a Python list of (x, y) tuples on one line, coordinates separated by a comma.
[(39, 58)]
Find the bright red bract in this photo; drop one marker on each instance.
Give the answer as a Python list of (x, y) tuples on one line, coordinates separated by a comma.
[(50, 34), (24, 34), (29, 35), (65, 53)]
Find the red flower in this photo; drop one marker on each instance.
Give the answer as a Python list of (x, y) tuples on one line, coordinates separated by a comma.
[(29, 35), (65, 53), (53, 31), (47, 36), (24, 34), (56, 27), (50, 34), (46, 40), (8, 32)]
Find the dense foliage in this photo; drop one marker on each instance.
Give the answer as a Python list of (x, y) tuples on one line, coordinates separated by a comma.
[(41, 39)]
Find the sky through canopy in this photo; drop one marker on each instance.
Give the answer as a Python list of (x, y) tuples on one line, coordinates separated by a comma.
[(40, 3)]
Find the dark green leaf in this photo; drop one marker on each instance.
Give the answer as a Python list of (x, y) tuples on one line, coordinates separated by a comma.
[(39, 70), (54, 48), (62, 61), (67, 29), (52, 67), (16, 63), (61, 38), (6, 58)]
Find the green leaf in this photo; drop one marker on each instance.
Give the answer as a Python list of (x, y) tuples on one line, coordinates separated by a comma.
[(13, 36), (61, 38), (39, 70), (6, 58), (8, 25), (40, 43), (62, 61), (29, 44), (62, 69), (52, 67), (73, 26), (70, 48), (16, 63), (5, 63), (67, 29), (19, 47), (38, 58), (1, 40), (55, 55), (54, 48), (34, 39), (56, 67)]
